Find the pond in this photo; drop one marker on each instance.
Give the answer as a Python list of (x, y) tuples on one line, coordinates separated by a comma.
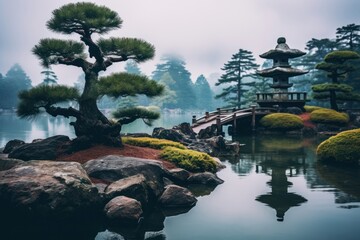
[(273, 190)]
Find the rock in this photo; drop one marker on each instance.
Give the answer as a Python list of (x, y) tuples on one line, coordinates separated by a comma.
[(208, 132), (185, 129), (12, 144), (175, 196), (7, 163), (133, 187), (179, 175), (112, 168), (169, 134), (123, 209), (202, 146), (205, 178), (222, 147), (47, 149), (46, 188)]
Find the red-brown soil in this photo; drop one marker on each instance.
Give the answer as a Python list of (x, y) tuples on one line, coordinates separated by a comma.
[(128, 151)]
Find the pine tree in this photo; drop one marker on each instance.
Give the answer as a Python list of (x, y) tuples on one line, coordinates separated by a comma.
[(204, 94), (241, 66), (168, 99), (50, 77), (335, 64), (183, 86), (349, 36), (86, 19), (132, 67), (14, 82)]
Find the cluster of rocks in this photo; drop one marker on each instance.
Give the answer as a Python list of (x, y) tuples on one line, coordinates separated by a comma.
[(122, 188), (206, 141)]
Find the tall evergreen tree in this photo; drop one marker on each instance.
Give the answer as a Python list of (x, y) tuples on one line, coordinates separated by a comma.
[(349, 36), (241, 66), (183, 86), (335, 64), (50, 77), (132, 67), (204, 94), (14, 82), (168, 99), (86, 19)]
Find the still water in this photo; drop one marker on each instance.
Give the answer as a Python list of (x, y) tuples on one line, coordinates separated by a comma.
[(273, 190)]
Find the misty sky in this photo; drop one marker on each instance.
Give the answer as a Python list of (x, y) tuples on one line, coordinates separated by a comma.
[(205, 32)]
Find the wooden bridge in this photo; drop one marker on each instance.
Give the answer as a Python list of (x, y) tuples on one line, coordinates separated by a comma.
[(228, 116)]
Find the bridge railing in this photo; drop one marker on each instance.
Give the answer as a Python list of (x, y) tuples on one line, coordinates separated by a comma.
[(281, 96)]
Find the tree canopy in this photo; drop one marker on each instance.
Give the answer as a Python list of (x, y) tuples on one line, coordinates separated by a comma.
[(86, 19)]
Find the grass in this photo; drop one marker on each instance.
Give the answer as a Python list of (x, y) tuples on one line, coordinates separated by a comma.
[(151, 142)]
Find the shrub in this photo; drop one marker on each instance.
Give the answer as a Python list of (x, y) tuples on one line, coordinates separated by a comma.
[(310, 109), (190, 160), (282, 122), (342, 148), (329, 116), (151, 142)]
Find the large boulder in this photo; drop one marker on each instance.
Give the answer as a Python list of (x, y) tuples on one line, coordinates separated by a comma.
[(47, 149), (169, 134), (185, 128), (205, 178), (44, 188), (177, 197), (7, 163), (123, 209), (12, 144), (133, 187), (112, 168)]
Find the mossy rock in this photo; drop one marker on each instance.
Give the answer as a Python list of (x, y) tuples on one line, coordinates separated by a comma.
[(190, 160), (310, 109), (151, 142), (282, 122), (342, 148), (329, 116)]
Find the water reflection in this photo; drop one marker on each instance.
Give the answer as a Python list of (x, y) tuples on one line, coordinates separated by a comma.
[(281, 158)]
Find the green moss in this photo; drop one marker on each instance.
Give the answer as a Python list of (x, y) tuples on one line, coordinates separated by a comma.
[(342, 148), (190, 160), (151, 142), (329, 116), (340, 56), (282, 122), (310, 109)]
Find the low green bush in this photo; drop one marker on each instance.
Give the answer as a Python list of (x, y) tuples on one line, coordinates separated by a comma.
[(151, 142), (282, 122), (342, 148), (190, 160), (329, 116), (310, 109)]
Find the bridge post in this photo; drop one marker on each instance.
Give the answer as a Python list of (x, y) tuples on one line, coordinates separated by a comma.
[(193, 119), (206, 115), (234, 124), (219, 111), (218, 125), (253, 106)]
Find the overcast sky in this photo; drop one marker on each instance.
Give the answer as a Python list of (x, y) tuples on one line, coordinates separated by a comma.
[(205, 32)]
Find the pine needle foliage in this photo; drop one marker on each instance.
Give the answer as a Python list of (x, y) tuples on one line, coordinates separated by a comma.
[(127, 115), (75, 17)]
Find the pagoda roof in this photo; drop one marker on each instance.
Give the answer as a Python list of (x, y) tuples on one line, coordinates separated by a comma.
[(281, 71), (282, 50)]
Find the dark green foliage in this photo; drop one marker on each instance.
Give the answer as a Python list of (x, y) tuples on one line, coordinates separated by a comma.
[(241, 66), (49, 51), (341, 149), (348, 36), (41, 96), (75, 17), (127, 48), (204, 94), (337, 66), (11, 84), (125, 84), (181, 85), (127, 115)]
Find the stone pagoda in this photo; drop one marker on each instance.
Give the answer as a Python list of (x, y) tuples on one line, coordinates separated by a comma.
[(280, 73)]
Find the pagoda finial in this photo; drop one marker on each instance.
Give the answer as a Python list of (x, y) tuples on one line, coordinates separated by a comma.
[(281, 40)]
